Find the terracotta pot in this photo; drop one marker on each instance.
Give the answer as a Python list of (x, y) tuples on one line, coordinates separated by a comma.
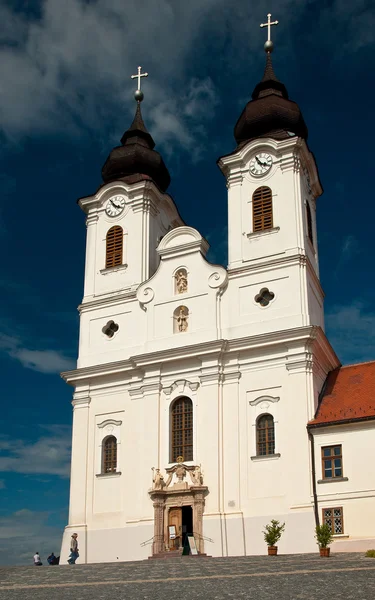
[(272, 550), (324, 551)]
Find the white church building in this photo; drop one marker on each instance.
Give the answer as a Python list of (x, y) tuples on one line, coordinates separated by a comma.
[(208, 400)]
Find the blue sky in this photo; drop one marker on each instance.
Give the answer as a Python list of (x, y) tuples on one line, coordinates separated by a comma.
[(66, 97)]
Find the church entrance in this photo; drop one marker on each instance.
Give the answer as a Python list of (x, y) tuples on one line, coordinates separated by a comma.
[(180, 525)]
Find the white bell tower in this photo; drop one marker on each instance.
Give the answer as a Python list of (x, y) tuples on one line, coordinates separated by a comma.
[(273, 185)]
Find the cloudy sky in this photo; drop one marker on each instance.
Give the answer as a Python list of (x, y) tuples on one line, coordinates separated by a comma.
[(65, 100)]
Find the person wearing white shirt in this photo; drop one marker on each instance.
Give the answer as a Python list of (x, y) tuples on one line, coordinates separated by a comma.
[(37, 561)]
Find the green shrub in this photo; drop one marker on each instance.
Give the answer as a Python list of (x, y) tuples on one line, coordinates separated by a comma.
[(324, 536), (370, 553), (273, 532)]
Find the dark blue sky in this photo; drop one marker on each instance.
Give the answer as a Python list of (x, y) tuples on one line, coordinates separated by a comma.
[(65, 99)]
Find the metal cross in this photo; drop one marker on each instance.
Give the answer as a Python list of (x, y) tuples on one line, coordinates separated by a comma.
[(268, 24), (138, 76)]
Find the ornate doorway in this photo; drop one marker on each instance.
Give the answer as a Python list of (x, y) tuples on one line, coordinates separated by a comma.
[(178, 504)]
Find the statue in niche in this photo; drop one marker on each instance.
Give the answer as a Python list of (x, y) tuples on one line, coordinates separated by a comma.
[(181, 281), (181, 317)]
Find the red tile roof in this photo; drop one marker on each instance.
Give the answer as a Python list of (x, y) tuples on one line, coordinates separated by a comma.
[(349, 395)]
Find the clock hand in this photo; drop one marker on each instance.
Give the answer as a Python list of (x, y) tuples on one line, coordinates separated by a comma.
[(115, 205)]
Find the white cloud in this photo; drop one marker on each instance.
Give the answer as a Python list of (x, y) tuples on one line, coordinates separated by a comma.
[(351, 331), (43, 361), (50, 454), (24, 532)]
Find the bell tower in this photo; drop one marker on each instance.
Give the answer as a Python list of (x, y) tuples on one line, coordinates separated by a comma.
[(129, 213), (273, 184)]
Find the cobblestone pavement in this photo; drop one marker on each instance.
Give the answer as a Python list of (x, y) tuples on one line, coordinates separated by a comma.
[(344, 576)]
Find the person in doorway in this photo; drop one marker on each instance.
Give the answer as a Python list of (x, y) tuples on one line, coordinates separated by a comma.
[(74, 553), (37, 561)]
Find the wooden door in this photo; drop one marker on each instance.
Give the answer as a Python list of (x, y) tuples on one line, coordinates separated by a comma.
[(175, 518)]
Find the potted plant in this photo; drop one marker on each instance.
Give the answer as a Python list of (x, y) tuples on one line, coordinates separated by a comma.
[(324, 537), (272, 534)]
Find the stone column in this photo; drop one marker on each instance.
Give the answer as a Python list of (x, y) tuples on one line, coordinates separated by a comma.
[(198, 508), (91, 224), (158, 543)]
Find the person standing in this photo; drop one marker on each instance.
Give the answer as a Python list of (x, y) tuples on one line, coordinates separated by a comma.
[(74, 553), (37, 561)]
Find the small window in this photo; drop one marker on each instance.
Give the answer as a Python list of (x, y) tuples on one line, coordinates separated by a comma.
[(309, 222), (332, 462), (114, 244), (110, 455), (182, 429), (333, 517), (262, 209), (265, 429)]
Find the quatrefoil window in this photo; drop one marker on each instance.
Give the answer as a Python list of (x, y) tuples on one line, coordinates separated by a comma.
[(110, 329), (264, 297)]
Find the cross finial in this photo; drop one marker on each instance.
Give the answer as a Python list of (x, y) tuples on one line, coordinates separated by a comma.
[(138, 94), (268, 46)]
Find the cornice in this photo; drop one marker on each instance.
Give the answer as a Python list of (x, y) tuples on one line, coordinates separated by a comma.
[(298, 258), (214, 349), (99, 301)]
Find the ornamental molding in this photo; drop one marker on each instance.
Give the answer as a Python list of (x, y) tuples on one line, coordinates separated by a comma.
[(109, 422), (180, 385), (144, 390), (81, 402), (264, 399), (213, 350), (145, 294), (218, 279)]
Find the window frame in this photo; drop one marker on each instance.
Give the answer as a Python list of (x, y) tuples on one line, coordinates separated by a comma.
[(332, 458), (268, 442), (104, 470), (173, 446), (260, 214), (341, 509), (114, 256)]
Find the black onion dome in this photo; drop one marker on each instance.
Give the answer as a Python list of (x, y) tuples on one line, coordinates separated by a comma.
[(136, 158), (270, 113)]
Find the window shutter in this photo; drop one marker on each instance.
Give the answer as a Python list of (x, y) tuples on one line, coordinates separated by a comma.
[(262, 209), (114, 243)]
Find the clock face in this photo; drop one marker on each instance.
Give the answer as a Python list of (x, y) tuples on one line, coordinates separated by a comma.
[(260, 163), (115, 206)]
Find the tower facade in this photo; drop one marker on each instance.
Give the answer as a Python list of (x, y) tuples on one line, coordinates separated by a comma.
[(195, 383)]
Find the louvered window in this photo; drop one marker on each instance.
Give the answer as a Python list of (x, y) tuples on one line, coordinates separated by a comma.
[(110, 454), (262, 209), (309, 223), (114, 243), (265, 435), (182, 429)]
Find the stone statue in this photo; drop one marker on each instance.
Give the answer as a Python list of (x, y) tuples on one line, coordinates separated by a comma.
[(197, 476), (158, 480), (181, 282), (182, 319), (180, 472)]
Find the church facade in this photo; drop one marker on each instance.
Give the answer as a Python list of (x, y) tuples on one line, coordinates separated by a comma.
[(208, 400)]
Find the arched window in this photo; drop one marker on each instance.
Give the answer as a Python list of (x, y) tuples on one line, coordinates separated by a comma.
[(113, 246), (262, 209), (309, 222), (182, 429), (265, 435), (109, 454)]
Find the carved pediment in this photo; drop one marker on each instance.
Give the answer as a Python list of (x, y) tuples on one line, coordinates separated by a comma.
[(181, 385)]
